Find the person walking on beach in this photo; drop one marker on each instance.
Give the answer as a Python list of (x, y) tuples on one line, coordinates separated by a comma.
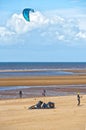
[(44, 93), (20, 94), (78, 98)]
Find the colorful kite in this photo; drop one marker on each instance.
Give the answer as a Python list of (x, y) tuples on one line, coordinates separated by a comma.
[(26, 13)]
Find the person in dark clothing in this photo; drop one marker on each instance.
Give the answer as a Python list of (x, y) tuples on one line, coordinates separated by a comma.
[(78, 98), (20, 94)]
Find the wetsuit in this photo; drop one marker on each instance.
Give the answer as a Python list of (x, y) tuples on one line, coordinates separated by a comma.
[(78, 98)]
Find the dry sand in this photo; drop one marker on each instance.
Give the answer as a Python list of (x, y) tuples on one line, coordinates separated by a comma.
[(14, 114)]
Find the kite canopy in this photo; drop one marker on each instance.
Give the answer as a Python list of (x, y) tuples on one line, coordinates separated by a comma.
[(26, 13)]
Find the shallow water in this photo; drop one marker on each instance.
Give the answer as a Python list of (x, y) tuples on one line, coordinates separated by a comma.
[(12, 88), (4, 88), (34, 73)]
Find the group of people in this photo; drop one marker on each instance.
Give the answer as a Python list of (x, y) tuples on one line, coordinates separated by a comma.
[(44, 94)]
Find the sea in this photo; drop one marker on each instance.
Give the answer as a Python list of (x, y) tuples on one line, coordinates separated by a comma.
[(9, 69)]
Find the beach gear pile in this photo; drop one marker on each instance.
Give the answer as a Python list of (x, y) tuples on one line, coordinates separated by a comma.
[(42, 105)]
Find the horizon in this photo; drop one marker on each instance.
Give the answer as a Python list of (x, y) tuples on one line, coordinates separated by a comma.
[(39, 62)]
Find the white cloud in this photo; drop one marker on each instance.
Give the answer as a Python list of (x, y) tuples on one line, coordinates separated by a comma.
[(51, 26), (19, 25), (5, 35), (81, 35), (5, 32)]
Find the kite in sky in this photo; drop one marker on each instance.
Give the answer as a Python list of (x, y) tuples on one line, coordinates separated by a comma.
[(26, 13)]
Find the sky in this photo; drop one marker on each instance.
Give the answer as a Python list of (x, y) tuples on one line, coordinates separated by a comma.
[(56, 31)]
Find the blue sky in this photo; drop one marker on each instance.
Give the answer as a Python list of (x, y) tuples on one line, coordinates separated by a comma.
[(56, 32)]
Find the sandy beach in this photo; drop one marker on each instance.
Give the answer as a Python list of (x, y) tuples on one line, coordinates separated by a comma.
[(14, 114)]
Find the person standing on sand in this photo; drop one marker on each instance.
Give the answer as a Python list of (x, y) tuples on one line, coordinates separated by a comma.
[(20, 94), (78, 98)]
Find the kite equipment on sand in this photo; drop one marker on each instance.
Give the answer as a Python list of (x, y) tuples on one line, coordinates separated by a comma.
[(41, 105)]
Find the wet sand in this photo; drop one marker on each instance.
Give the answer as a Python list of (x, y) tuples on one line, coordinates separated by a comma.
[(43, 80), (52, 84), (37, 91)]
